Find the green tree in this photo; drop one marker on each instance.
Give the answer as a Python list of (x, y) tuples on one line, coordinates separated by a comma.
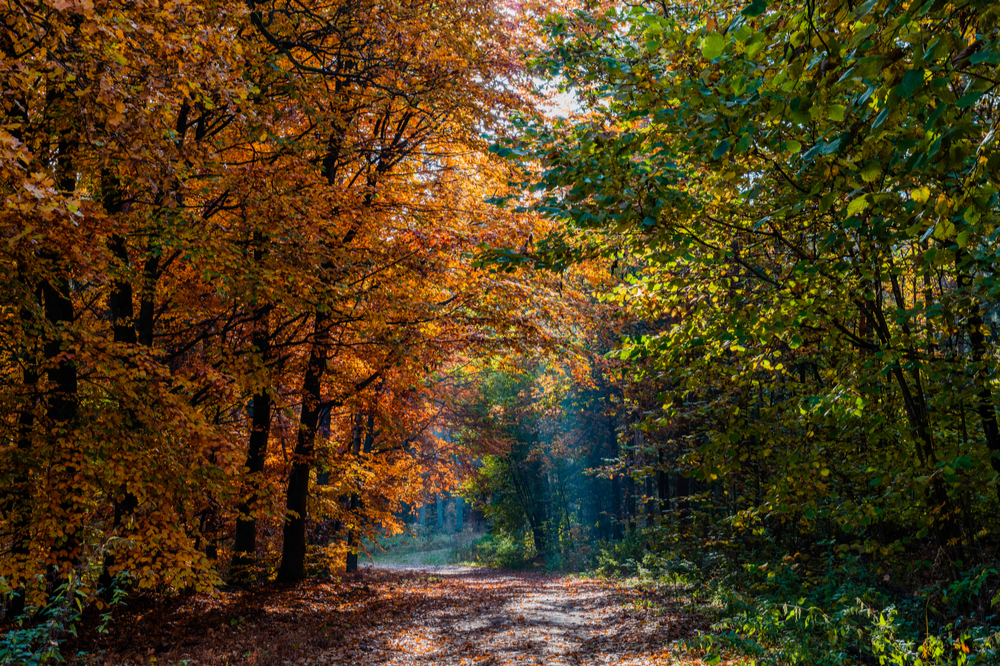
[(807, 196)]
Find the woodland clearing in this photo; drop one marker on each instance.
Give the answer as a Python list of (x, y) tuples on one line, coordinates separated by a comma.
[(417, 614)]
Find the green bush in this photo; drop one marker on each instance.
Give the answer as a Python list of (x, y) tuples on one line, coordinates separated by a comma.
[(500, 550), (836, 613), (38, 635)]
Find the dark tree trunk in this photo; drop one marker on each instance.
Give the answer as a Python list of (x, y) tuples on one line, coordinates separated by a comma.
[(985, 406), (662, 484), (631, 507), (123, 326), (120, 303), (947, 525), (652, 507), (147, 300), (245, 542), (61, 414), (293, 551), (356, 502), (683, 498)]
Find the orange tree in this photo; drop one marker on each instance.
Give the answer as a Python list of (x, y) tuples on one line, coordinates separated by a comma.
[(222, 223)]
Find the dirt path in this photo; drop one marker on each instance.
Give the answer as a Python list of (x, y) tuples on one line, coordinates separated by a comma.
[(423, 615)]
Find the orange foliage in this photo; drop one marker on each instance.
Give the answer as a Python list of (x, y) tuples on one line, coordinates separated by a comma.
[(204, 200)]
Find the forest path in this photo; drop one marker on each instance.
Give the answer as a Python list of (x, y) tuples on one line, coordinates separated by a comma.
[(492, 617), (435, 614)]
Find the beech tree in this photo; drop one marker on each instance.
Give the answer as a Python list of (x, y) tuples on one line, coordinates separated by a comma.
[(804, 198), (227, 225)]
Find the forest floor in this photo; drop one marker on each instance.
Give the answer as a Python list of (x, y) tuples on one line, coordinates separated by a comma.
[(409, 613)]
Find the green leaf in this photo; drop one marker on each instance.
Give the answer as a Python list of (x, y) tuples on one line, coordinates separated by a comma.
[(871, 172), (836, 111), (865, 8), (880, 118), (793, 146), (827, 202), (912, 81), (713, 46), (755, 8), (989, 57), (831, 147), (814, 151), (720, 150), (859, 204), (969, 98)]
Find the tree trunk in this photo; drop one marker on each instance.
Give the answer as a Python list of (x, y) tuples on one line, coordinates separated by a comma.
[(662, 484), (293, 550), (683, 498), (356, 501), (61, 414), (985, 405), (245, 542), (19, 502)]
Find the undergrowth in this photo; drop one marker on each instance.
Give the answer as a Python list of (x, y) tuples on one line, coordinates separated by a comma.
[(499, 550), (830, 609), (38, 635)]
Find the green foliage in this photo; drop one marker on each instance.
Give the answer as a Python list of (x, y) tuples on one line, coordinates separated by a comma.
[(504, 507), (37, 636), (626, 557), (805, 200), (501, 550), (828, 609)]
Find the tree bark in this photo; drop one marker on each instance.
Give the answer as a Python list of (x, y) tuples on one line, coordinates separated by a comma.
[(61, 413), (662, 484), (985, 404), (356, 502), (245, 542), (293, 550)]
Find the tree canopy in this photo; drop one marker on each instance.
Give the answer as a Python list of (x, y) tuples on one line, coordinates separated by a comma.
[(277, 273)]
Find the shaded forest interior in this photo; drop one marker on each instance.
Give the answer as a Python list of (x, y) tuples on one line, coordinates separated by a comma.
[(703, 297)]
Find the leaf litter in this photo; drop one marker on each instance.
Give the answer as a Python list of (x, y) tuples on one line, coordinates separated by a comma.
[(390, 615)]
